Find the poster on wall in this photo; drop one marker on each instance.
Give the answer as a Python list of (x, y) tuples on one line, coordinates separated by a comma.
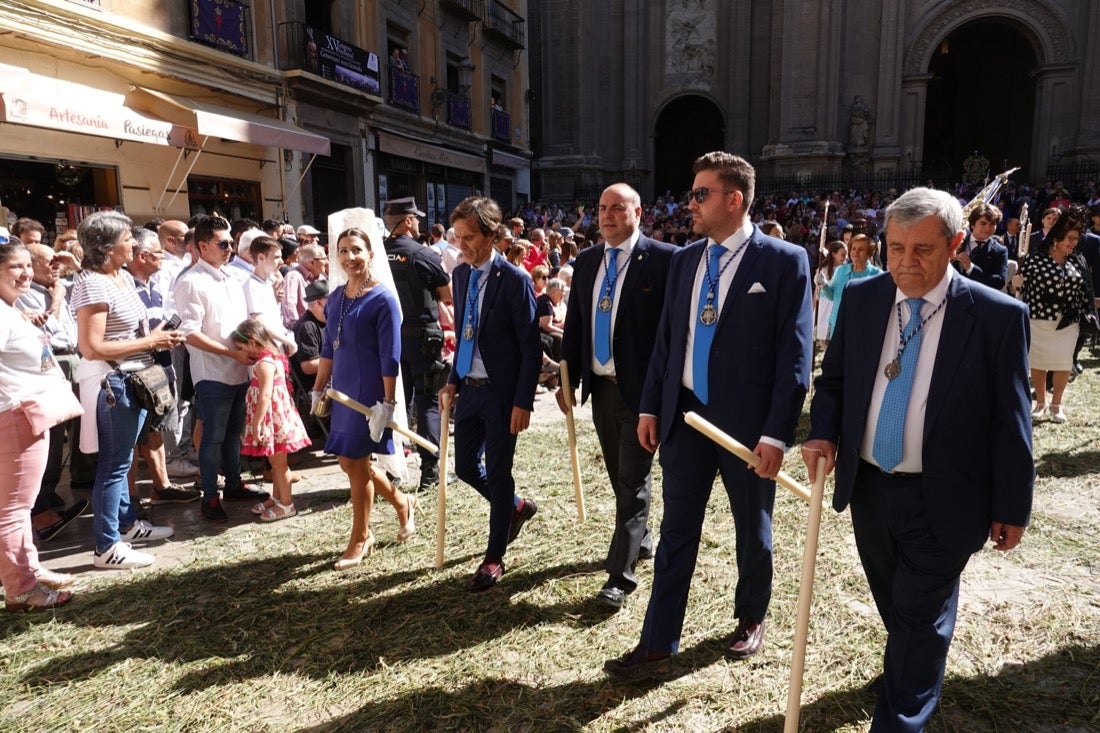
[(441, 203), (340, 61), (383, 191)]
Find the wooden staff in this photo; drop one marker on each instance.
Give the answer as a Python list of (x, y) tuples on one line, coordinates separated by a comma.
[(571, 429), (362, 409), (712, 431), (441, 500), (805, 596)]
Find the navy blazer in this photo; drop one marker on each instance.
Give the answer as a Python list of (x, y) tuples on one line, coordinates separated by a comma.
[(990, 264), (759, 367), (976, 454), (508, 334), (641, 295)]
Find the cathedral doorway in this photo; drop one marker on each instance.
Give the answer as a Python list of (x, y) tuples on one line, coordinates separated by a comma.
[(981, 99), (686, 128)]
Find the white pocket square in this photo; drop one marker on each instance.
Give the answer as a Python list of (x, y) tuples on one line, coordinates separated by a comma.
[(757, 288)]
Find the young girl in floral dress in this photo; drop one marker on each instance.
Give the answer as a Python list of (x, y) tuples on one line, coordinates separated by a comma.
[(273, 427)]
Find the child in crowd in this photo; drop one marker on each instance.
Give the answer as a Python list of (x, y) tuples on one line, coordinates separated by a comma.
[(273, 427)]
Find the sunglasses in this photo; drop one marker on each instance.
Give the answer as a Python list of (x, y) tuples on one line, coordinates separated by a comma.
[(700, 194), (225, 243)]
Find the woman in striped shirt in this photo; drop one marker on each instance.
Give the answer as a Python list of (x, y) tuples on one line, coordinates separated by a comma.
[(115, 339)]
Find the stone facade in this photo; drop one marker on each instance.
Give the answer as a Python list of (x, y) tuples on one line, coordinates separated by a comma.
[(800, 87)]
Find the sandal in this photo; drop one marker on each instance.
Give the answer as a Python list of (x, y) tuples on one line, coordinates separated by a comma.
[(38, 598), (262, 506), (278, 511)]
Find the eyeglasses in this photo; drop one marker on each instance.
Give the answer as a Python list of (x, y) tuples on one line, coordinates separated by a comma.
[(700, 194), (154, 255), (225, 243)]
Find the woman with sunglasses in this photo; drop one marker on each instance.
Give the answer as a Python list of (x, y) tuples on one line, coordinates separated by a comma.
[(114, 338)]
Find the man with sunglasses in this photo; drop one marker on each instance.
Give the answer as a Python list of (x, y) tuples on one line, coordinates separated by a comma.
[(211, 304), (733, 345)]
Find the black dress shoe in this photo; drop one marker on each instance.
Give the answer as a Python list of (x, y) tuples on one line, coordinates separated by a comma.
[(486, 576), (875, 686), (645, 553), (747, 639), (611, 596), (527, 510), (637, 665), (66, 517)]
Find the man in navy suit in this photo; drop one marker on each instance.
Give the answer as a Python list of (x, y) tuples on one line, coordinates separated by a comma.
[(610, 327), (982, 257), (734, 344), (495, 370), (929, 429)]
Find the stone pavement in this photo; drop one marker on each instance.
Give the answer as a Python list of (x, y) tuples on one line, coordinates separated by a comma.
[(70, 551)]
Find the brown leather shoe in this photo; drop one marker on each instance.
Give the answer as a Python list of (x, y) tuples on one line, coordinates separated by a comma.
[(747, 639), (487, 575), (638, 665)]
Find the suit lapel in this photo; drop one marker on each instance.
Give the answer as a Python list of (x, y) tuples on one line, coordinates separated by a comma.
[(868, 349), (744, 272), (957, 324), (629, 287)]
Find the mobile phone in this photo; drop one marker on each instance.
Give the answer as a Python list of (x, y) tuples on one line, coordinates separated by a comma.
[(172, 323)]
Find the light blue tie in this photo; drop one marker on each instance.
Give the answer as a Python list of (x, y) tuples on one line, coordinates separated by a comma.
[(704, 332), (607, 298), (888, 446), (465, 356)]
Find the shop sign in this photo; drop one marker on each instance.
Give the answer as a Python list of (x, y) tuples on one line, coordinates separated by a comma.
[(417, 150), (72, 109)]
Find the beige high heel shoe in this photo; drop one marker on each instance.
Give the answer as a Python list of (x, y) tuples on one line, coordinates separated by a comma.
[(408, 529), (347, 563)]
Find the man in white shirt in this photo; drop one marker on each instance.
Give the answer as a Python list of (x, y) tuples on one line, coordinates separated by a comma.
[(211, 305)]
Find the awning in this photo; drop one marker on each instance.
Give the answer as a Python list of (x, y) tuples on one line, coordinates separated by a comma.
[(226, 123), (32, 99)]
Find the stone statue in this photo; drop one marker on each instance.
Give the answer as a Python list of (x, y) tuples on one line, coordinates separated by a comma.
[(860, 124)]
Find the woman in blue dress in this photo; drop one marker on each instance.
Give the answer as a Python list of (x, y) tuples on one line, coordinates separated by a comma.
[(361, 353)]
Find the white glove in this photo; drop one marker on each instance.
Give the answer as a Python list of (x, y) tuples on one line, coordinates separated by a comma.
[(381, 415), (314, 398)]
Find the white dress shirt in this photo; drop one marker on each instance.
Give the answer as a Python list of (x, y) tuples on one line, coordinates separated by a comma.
[(211, 302), (913, 432), (623, 263)]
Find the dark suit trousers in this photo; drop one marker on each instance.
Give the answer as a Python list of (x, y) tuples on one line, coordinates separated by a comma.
[(423, 402), (690, 462), (915, 583), (629, 468), (484, 450)]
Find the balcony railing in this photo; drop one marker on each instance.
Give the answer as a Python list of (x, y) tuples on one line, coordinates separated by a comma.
[(468, 10), (502, 22), (458, 110), (502, 126), (404, 90)]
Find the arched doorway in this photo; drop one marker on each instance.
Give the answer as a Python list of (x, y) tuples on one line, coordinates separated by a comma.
[(981, 97), (686, 128)]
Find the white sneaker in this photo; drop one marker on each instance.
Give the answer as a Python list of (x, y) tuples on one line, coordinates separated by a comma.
[(122, 556), (143, 531), (182, 468)]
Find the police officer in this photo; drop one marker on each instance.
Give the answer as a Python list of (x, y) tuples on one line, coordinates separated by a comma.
[(421, 283)]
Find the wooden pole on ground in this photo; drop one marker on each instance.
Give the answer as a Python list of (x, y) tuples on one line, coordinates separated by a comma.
[(571, 429), (805, 596), (441, 499)]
